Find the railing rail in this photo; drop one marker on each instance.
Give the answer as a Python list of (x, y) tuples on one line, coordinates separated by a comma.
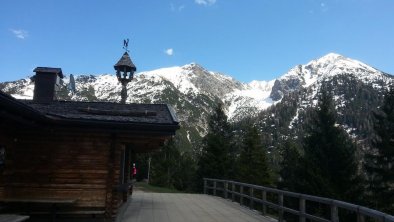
[(228, 190)]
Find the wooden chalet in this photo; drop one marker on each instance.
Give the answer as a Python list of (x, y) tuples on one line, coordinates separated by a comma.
[(73, 158)]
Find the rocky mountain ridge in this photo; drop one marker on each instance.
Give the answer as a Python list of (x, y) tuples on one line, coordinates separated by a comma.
[(193, 91), (325, 68)]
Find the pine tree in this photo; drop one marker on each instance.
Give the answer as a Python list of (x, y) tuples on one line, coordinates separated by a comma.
[(164, 165), (380, 160), (252, 164), (329, 161), (215, 160), (291, 168), (294, 175), (172, 168), (185, 174)]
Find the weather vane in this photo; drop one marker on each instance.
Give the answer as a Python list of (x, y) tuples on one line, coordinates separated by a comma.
[(126, 45)]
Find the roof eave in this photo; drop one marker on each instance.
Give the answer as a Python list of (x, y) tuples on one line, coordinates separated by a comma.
[(160, 128), (17, 108)]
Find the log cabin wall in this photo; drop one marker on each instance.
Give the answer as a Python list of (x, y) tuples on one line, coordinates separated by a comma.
[(73, 150), (4, 142), (63, 164)]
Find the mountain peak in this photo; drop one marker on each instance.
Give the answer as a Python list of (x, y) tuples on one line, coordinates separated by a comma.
[(329, 58), (333, 55), (322, 69), (333, 64), (193, 66)]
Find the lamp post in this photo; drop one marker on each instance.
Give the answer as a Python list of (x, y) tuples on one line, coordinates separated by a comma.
[(124, 80), (124, 72)]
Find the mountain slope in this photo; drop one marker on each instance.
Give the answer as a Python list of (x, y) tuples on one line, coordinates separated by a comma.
[(356, 87)]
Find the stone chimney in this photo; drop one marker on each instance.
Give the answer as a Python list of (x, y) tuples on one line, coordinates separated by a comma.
[(46, 82)]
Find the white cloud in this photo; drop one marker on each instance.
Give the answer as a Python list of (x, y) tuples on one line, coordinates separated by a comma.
[(169, 51), (175, 8), (20, 33), (205, 2), (323, 7)]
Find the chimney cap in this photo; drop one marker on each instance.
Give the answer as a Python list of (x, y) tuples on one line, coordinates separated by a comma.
[(57, 71)]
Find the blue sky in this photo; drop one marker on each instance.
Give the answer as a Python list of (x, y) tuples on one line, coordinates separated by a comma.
[(246, 39)]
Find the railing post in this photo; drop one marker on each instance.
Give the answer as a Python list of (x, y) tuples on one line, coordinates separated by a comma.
[(241, 191), (214, 187), (302, 209), (225, 189), (233, 192), (334, 213), (280, 205), (264, 204), (205, 186), (251, 194), (360, 217)]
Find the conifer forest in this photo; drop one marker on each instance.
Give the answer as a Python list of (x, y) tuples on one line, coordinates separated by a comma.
[(323, 161)]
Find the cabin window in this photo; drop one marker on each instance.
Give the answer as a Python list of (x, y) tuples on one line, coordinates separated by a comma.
[(2, 156)]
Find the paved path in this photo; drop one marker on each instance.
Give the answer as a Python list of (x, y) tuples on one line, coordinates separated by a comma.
[(170, 207)]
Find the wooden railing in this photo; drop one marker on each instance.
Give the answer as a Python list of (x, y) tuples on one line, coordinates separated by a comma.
[(279, 201)]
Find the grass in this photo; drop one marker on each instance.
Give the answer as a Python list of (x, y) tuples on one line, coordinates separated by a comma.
[(143, 186)]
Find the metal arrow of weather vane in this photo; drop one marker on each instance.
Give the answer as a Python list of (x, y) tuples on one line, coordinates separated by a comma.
[(126, 45)]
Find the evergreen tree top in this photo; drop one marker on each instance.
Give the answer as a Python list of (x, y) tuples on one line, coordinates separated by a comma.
[(329, 157), (218, 122)]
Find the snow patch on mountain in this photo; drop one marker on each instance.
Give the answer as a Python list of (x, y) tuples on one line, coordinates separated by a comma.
[(179, 76), (255, 95), (25, 86)]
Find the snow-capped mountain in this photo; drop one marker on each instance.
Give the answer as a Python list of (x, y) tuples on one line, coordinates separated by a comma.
[(190, 80), (324, 69), (194, 91), (357, 91)]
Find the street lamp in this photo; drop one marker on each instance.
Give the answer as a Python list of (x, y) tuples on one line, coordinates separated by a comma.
[(125, 72)]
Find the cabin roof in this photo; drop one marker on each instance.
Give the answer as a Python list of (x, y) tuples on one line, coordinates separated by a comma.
[(107, 111), (98, 115), (9, 105)]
